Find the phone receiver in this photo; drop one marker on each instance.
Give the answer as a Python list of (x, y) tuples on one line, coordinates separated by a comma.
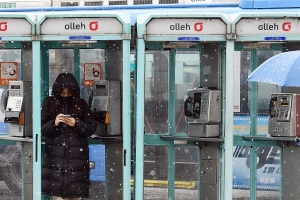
[(5, 98), (91, 96), (187, 112), (271, 106)]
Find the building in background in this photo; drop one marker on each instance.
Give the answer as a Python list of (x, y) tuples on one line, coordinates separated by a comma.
[(62, 3)]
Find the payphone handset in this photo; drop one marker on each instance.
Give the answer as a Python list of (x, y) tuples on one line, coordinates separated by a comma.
[(105, 102), (284, 114), (202, 108), (16, 114)]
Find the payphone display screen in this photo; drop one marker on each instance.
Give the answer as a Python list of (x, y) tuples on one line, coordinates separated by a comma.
[(15, 87)]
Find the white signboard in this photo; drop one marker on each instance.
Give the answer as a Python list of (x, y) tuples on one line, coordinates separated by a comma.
[(267, 27), (14, 27), (186, 27), (80, 26)]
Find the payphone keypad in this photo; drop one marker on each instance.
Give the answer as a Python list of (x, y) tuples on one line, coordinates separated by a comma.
[(14, 104)]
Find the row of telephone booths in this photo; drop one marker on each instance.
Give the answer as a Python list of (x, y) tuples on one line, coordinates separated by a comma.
[(169, 77)]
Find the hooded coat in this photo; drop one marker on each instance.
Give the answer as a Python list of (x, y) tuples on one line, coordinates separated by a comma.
[(65, 169)]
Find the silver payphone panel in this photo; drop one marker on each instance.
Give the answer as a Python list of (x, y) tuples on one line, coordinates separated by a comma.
[(106, 106), (284, 114), (18, 111), (203, 112)]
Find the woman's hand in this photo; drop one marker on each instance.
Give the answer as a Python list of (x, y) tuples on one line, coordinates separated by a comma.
[(59, 118), (70, 121)]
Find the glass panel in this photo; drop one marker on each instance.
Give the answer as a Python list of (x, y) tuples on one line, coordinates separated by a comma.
[(241, 172), (186, 172), (156, 92), (10, 155), (242, 68), (264, 91), (7, 55), (11, 172), (60, 60), (156, 172), (90, 56), (268, 172), (186, 77)]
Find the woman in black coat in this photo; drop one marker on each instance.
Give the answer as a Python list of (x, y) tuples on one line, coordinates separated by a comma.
[(66, 124)]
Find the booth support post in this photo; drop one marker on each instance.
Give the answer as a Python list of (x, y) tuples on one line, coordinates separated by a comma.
[(36, 114), (228, 115)]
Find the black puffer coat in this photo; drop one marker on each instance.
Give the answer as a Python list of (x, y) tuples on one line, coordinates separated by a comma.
[(65, 170)]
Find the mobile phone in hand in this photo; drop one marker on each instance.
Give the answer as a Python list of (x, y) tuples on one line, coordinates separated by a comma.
[(67, 116)]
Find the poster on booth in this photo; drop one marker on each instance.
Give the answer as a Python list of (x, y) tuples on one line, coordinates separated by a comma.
[(92, 73), (9, 72)]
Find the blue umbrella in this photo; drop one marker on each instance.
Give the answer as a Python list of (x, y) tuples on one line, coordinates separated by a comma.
[(282, 69)]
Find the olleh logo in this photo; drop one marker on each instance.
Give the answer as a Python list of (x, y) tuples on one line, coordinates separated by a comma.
[(177, 26), (3, 26), (286, 26), (93, 26)]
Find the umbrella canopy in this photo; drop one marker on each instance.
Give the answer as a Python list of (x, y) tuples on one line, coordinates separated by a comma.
[(282, 69)]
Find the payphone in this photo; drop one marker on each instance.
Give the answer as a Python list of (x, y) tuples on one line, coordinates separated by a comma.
[(18, 112), (105, 102), (202, 108), (284, 114)]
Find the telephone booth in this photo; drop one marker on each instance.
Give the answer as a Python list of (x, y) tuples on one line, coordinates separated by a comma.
[(181, 103), (95, 47), (16, 66), (271, 154)]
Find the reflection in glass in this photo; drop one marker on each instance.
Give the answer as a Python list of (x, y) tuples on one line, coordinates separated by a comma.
[(241, 172), (187, 70), (60, 60), (90, 56), (186, 172), (156, 172), (264, 90), (268, 172), (242, 69), (11, 172), (156, 92)]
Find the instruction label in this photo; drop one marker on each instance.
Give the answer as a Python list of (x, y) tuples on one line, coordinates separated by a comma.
[(92, 72), (9, 72)]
